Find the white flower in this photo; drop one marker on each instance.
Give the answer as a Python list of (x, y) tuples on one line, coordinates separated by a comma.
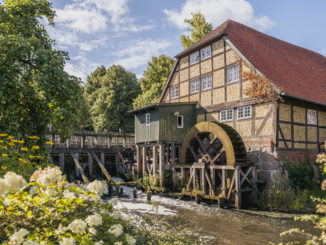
[(11, 182), (47, 176), (116, 230), (118, 243), (77, 226), (130, 240), (69, 195), (67, 241), (98, 187), (99, 243), (94, 220), (18, 236), (30, 242), (92, 230), (51, 192)]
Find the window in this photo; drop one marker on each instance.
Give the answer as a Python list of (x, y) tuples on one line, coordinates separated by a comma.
[(179, 121), (244, 112), (194, 58), (232, 74), (194, 86), (206, 82), (206, 52), (311, 117), (148, 119), (174, 92), (226, 115)]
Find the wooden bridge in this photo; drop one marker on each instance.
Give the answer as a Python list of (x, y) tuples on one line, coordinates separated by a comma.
[(112, 151)]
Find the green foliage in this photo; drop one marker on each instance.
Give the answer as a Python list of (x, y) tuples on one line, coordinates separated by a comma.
[(153, 80), (35, 90), (301, 174), (109, 94), (20, 156), (198, 28)]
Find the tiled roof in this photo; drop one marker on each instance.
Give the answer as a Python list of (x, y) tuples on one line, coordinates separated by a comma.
[(297, 71)]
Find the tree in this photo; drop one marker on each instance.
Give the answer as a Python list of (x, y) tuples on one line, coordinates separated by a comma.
[(198, 28), (35, 90), (153, 80), (109, 94)]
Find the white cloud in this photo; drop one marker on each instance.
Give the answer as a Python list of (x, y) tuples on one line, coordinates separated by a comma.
[(140, 53), (92, 16), (81, 67), (66, 39), (80, 18), (217, 11)]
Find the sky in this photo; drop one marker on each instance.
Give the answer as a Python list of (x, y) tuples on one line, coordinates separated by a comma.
[(131, 32)]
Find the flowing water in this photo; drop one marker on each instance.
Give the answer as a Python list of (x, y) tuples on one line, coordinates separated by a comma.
[(210, 224)]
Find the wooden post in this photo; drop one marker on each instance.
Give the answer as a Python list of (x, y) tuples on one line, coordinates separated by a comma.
[(124, 141), (237, 198), (117, 165), (90, 163), (67, 143), (213, 181), (154, 160), (203, 179), (105, 172), (161, 163), (172, 153), (79, 168), (62, 161), (138, 161), (83, 141), (144, 160), (224, 191)]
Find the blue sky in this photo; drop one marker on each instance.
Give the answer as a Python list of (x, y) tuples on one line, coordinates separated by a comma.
[(130, 32)]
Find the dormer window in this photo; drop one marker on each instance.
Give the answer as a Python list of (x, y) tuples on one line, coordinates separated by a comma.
[(194, 58), (206, 52)]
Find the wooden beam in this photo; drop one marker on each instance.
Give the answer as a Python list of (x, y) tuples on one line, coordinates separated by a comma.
[(90, 163), (104, 171), (80, 169), (161, 163), (144, 161), (62, 161)]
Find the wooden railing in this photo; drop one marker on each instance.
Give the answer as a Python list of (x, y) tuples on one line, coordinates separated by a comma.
[(89, 139)]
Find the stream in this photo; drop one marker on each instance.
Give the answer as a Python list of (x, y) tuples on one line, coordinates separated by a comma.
[(208, 224)]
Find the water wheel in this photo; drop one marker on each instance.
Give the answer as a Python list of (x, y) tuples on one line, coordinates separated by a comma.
[(215, 143)]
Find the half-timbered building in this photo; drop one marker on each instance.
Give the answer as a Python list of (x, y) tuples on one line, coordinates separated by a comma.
[(293, 126)]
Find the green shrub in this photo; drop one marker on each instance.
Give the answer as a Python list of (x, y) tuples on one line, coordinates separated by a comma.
[(300, 174)]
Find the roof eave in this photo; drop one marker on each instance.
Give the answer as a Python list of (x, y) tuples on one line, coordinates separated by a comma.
[(301, 98)]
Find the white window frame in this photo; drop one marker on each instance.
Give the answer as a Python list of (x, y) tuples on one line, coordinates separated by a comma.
[(206, 82), (194, 86), (180, 116), (244, 116), (227, 113), (148, 119), (205, 52), (175, 92), (194, 60), (311, 117), (231, 73)]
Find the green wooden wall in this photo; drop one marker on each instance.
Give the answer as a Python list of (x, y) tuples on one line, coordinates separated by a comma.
[(163, 123)]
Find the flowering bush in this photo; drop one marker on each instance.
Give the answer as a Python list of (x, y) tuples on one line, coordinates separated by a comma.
[(20, 156), (50, 210)]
